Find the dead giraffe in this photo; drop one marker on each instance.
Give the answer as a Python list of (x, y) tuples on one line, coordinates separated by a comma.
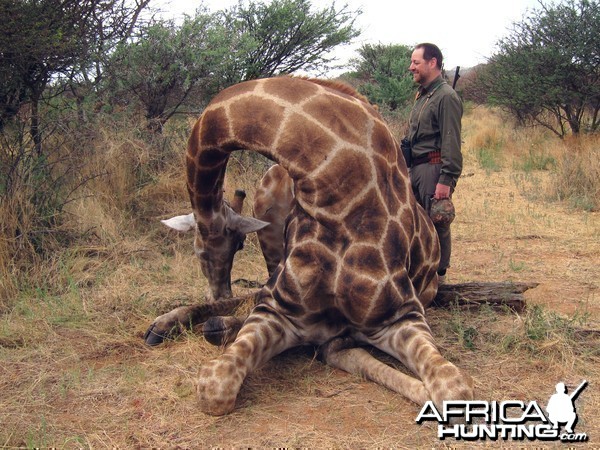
[(360, 255)]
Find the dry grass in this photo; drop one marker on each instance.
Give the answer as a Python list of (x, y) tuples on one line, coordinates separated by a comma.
[(579, 169), (76, 373)]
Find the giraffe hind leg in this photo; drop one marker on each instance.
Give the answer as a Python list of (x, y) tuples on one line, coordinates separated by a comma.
[(342, 354), (264, 334), (410, 341)]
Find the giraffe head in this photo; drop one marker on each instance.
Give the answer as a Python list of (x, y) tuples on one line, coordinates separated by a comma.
[(216, 245)]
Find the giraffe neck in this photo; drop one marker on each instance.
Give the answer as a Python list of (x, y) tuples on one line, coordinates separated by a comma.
[(205, 176), (334, 145)]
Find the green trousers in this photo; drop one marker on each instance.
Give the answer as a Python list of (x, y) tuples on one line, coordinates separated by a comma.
[(424, 178)]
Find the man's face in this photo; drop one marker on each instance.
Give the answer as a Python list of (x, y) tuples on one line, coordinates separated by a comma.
[(423, 71)]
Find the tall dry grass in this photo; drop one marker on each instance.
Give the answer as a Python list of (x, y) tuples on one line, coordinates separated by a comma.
[(572, 165), (80, 194), (110, 232), (577, 177), (24, 238), (8, 282)]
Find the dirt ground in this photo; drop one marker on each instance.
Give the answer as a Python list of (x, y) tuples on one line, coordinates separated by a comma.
[(76, 374)]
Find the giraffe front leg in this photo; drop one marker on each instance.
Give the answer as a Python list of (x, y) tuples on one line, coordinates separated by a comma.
[(176, 321), (222, 330), (171, 324), (264, 334), (411, 342)]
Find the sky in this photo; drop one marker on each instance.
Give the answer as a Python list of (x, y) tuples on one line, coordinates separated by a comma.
[(465, 30)]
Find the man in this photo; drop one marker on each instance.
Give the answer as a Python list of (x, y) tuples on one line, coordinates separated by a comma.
[(434, 138)]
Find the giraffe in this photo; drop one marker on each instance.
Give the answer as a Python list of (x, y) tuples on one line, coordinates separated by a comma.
[(360, 256)]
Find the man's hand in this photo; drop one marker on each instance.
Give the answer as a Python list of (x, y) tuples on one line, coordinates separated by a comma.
[(441, 191)]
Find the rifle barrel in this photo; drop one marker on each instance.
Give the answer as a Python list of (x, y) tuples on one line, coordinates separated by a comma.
[(456, 76), (578, 390)]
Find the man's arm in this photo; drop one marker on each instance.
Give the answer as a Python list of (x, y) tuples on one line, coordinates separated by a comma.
[(450, 115)]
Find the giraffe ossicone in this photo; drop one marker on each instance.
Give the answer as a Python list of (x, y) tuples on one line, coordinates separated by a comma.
[(360, 255)]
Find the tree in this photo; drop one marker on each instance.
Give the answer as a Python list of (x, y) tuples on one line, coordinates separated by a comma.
[(383, 72), (39, 38), (43, 40), (288, 36), (112, 23), (470, 88), (167, 62), (548, 70), (45, 47)]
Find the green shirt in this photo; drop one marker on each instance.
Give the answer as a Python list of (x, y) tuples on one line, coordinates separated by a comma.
[(435, 124)]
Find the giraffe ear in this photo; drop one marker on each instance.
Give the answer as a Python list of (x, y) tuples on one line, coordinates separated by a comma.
[(181, 223), (245, 224)]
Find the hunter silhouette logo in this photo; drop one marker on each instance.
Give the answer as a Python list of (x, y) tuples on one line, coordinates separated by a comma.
[(561, 407), (511, 419)]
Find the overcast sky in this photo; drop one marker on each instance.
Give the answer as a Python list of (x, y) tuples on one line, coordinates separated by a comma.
[(465, 30)]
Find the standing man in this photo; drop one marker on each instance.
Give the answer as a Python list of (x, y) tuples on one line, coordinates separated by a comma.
[(434, 140)]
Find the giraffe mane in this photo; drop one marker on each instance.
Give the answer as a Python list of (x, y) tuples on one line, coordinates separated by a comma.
[(339, 86)]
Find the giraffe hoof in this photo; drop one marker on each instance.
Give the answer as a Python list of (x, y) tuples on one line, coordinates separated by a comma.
[(221, 330), (155, 334)]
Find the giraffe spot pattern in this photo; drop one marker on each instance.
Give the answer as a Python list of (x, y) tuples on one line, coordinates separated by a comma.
[(290, 90), (391, 188), (367, 219), (254, 133), (383, 143), (213, 130), (303, 146), (349, 124), (342, 179), (364, 259)]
